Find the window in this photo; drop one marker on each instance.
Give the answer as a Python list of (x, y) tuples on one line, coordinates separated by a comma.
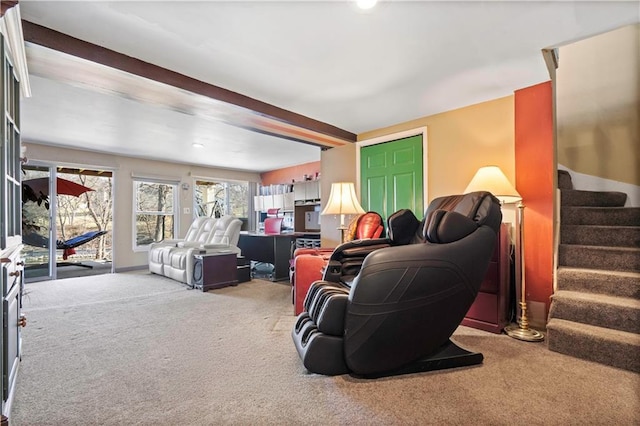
[(215, 199), (155, 212)]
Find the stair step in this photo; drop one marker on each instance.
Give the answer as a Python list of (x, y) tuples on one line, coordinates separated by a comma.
[(576, 197), (613, 283), (609, 347), (564, 180), (612, 216), (600, 235), (618, 313), (595, 311), (599, 257)]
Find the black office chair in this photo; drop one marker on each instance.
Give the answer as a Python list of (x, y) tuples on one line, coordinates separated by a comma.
[(272, 226), (413, 290)]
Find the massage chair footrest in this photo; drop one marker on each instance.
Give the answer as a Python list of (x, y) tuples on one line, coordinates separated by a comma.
[(447, 356), (320, 353)]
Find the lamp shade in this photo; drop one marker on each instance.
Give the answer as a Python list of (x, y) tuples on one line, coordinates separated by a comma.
[(492, 179), (342, 200)]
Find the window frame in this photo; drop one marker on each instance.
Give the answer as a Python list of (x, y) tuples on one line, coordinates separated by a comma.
[(175, 213), (227, 204)]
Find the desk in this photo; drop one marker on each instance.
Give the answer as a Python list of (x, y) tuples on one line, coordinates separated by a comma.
[(274, 249)]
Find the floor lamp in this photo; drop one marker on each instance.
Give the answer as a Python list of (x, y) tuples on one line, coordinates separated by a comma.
[(492, 179), (342, 201)]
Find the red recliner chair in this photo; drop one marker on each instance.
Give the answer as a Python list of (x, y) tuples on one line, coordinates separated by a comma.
[(308, 264)]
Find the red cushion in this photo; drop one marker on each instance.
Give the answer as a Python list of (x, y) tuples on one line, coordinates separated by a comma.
[(323, 251), (308, 269), (369, 226)]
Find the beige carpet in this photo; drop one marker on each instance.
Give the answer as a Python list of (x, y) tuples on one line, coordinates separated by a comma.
[(125, 349)]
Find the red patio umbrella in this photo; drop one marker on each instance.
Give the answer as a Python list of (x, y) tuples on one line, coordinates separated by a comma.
[(64, 186)]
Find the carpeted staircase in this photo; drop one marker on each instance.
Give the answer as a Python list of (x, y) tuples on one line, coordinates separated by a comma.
[(595, 312)]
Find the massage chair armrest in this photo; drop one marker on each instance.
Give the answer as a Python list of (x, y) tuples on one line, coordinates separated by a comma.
[(357, 247), (332, 271), (347, 258)]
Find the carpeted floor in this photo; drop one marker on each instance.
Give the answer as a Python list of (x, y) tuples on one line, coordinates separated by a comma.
[(139, 349)]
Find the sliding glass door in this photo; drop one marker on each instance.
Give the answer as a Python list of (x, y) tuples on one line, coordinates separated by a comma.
[(67, 221), (38, 211)]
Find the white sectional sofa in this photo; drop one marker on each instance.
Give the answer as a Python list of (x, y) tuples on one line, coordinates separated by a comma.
[(174, 258)]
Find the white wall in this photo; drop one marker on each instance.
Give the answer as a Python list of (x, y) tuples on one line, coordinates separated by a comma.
[(124, 257), (586, 182), (337, 165), (598, 106)]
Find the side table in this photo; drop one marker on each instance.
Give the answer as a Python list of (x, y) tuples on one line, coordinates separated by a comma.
[(214, 270), (490, 310)]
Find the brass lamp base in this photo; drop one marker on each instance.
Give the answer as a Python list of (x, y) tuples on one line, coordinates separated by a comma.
[(342, 230), (526, 334)]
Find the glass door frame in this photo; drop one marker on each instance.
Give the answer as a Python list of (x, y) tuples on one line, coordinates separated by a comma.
[(52, 169)]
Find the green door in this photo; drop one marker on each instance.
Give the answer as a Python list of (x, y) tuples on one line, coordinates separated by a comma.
[(391, 176)]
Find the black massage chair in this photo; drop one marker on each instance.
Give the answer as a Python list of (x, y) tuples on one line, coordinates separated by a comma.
[(389, 306)]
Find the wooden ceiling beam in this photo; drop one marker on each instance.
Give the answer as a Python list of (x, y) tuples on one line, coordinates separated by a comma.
[(43, 36), (6, 5)]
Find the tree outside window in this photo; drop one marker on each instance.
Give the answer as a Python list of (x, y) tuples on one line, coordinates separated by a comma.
[(155, 205), (219, 198)]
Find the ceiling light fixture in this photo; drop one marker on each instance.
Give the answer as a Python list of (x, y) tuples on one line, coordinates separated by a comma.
[(197, 145), (366, 4)]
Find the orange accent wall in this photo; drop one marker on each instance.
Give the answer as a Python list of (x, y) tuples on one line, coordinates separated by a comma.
[(535, 171), (288, 174)]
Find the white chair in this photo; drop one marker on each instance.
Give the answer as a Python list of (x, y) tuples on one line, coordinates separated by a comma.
[(175, 259), (158, 252)]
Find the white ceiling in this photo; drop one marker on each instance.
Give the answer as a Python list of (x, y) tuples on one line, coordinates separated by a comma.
[(326, 60)]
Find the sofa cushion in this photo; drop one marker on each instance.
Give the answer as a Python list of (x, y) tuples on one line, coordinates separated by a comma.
[(178, 258)]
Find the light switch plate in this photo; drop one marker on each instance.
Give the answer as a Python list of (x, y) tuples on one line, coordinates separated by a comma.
[(186, 210)]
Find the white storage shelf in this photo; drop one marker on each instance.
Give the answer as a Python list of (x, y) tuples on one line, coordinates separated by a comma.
[(307, 191), (284, 202)]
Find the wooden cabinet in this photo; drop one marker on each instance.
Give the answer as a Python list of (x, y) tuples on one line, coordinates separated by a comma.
[(215, 270), (307, 201), (11, 279), (490, 311), (301, 220), (12, 285)]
